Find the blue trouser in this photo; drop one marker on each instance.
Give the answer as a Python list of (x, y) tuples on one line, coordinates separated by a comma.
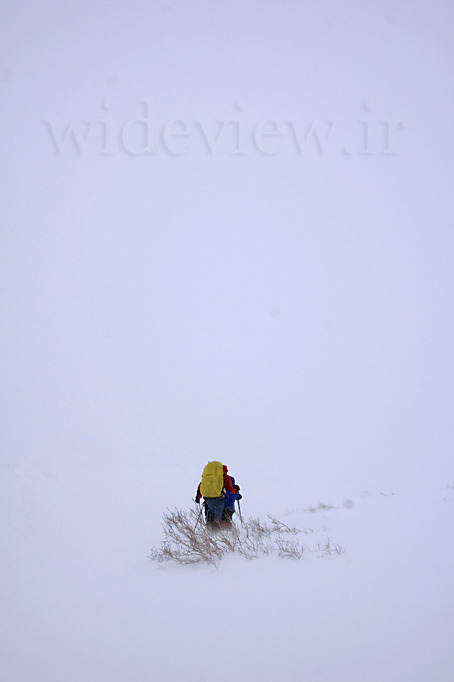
[(215, 506)]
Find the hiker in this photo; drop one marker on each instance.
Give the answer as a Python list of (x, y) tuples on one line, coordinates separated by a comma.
[(229, 502), (212, 488)]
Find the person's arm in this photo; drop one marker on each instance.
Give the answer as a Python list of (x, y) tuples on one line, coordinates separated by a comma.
[(228, 484)]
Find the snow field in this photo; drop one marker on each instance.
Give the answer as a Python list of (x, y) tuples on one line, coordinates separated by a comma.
[(287, 311), (84, 602)]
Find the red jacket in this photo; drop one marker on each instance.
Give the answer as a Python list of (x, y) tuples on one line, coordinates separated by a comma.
[(228, 485)]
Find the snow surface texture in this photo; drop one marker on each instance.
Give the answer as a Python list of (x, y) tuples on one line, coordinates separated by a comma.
[(83, 601), (226, 234)]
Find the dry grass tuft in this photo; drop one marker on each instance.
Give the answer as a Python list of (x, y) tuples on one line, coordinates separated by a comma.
[(187, 540)]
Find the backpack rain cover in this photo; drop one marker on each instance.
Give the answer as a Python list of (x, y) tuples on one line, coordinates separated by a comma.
[(212, 480)]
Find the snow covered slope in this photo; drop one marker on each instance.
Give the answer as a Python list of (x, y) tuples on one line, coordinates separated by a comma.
[(226, 233), (83, 602)]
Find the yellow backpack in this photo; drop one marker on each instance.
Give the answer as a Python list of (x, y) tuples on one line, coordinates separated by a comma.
[(212, 480)]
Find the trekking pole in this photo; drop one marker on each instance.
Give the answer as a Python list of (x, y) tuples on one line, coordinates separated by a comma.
[(200, 514), (239, 511)]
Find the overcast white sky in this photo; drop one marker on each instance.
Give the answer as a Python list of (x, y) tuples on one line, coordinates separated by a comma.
[(227, 232)]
